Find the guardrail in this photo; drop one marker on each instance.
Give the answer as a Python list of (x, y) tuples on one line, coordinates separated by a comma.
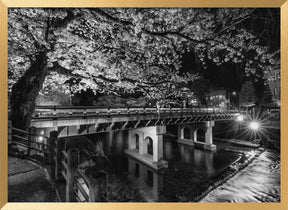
[(81, 186), (58, 111), (29, 144)]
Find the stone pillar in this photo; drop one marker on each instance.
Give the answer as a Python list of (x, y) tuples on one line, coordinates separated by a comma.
[(131, 140), (209, 136), (194, 132), (142, 144), (158, 148), (158, 143), (180, 132)]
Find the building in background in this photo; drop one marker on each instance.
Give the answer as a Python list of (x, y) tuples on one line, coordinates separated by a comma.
[(217, 98)]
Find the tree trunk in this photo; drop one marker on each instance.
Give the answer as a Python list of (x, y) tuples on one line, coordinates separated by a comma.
[(25, 91)]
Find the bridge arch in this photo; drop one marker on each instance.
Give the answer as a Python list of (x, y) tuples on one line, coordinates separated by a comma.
[(186, 133), (200, 134), (149, 143)]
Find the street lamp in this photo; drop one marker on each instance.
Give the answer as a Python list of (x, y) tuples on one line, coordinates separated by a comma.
[(254, 125), (41, 139), (240, 118), (234, 93)]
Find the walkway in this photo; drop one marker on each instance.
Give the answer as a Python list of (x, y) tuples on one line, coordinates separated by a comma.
[(258, 182), (28, 182)]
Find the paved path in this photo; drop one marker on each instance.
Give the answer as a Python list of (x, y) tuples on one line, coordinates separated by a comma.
[(258, 182), (28, 182)]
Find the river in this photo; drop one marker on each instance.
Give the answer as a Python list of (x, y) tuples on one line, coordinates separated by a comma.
[(189, 169)]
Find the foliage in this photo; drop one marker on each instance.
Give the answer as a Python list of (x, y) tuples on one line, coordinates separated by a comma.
[(114, 50), (55, 98), (247, 95)]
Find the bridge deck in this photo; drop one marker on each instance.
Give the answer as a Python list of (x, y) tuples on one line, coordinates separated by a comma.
[(67, 116)]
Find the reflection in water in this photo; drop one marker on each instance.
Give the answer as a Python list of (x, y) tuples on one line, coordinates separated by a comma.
[(148, 180), (187, 166), (207, 162)]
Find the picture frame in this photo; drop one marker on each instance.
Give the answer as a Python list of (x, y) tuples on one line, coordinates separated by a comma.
[(5, 4)]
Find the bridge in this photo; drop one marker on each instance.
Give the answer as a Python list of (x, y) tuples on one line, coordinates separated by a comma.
[(146, 126), (71, 121), (57, 130)]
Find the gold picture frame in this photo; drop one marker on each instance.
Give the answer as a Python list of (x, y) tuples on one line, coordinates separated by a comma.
[(5, 4)]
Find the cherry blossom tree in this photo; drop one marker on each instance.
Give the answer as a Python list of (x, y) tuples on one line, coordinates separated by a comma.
[(112, 50)]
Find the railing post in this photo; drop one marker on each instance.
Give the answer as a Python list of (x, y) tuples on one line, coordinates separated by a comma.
[(128, 111), (10, 132), (51, 144), (70, 176), (29, 142), (58, 150), (85, 111), (54, 111), (109, 111), (97, 186)]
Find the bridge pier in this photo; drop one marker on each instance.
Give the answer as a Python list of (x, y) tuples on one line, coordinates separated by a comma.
[(146, 145), (188, 135)]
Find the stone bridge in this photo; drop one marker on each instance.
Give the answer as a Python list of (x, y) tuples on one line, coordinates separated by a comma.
[(146, 126)]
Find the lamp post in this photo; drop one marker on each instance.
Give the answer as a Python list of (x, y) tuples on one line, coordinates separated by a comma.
[(234, 94)]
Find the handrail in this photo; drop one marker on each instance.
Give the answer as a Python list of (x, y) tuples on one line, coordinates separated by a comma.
[(16, 129), (80, 174), (42, 112), (23, 139)]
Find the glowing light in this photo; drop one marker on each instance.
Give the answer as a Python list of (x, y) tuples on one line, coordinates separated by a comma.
[(42, 132), (254, 125), (240, 118), (40, 138), (234, 93)]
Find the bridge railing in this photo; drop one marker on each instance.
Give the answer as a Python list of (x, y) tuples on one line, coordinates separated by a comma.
[(92, 110), (81, 186), (29, 144)]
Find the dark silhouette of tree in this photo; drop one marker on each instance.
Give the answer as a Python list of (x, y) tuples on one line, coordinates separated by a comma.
[(83, 98), (247, 95)]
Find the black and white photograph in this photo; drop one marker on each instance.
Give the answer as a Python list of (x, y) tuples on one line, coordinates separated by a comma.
[(144, 104)]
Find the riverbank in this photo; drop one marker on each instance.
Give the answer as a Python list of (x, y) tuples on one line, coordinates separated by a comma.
[(227, 173), (28, 182), (258, 182)]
